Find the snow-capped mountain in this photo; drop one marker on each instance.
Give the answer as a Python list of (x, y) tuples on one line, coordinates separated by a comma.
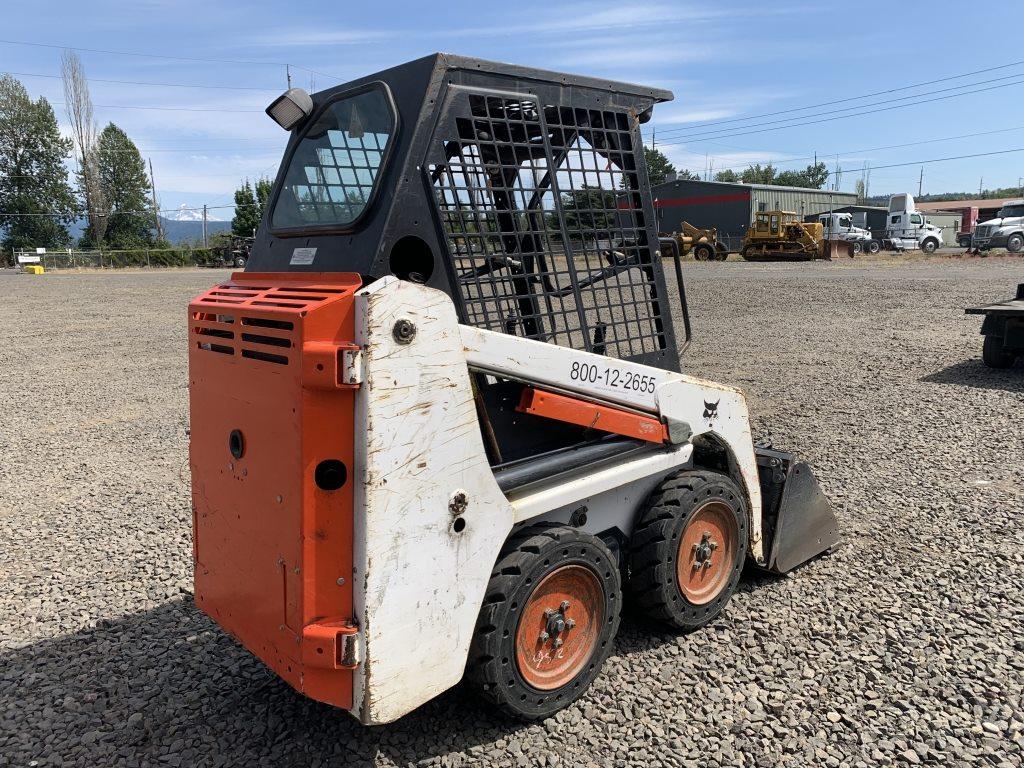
[(189, 213)]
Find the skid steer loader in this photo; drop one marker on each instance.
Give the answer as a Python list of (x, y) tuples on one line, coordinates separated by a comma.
[(439, 429)]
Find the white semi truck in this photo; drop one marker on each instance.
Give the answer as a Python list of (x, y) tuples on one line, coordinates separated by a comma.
[(1006, 230), (908, 229), (840, 226)]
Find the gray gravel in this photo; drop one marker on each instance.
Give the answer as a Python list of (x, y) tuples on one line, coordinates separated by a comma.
[(904, 647)]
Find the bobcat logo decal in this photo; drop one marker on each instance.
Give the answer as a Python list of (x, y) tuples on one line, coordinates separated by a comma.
[(711, 410)]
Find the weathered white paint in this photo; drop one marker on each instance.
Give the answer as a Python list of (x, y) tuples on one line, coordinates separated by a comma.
[(675, 396), (418, 584)]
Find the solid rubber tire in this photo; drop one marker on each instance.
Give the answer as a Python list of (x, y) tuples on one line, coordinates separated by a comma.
[(654, 547), (529, 555)]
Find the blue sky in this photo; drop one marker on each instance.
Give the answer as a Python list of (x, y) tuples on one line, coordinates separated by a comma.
[(725, 61)]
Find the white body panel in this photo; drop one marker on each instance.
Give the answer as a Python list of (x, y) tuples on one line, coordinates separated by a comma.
[(419, 581), (418, 584)]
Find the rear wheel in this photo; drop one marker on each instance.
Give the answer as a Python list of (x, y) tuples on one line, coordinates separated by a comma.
[(874, 246), (703, 252), (688, 549), (548, 621), (995, 355), (1015, 243)]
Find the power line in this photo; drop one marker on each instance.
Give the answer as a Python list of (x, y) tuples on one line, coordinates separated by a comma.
[(774, 161), (726, 132), (156, 85), (838, 117), (129, 213), (170, 58), (858, 98), (168, 109)]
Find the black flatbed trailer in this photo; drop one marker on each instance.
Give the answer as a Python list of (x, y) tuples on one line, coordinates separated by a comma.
[(1003, 329)]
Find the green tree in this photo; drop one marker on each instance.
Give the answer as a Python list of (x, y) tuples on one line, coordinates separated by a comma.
[(812, 177), (125, 188), (755, 174), (589, 212), (247, 212), (36, 200), (728, 175), (264, 187), (658, 165)]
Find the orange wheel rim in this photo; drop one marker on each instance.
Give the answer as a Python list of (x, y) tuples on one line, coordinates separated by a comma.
[(707, 550), (559, 627)]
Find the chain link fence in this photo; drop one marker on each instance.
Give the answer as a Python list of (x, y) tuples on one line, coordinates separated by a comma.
[(139, 257)]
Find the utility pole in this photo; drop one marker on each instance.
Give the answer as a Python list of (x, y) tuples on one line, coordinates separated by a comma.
[(654, 139), (920, 181), (979, 185), (205, 241), (288, 74), (156, 211)]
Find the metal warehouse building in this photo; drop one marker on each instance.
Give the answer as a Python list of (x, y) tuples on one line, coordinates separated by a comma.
[(731, 207)]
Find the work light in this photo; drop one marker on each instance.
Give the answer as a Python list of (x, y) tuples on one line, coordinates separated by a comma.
[(290, 108)]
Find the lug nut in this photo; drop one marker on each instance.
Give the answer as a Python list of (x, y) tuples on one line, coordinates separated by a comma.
[(565, 605), (558, 642), (569, 623), (544, 637)]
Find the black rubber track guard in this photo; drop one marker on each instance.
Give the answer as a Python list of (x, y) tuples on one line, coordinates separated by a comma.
[(798, 521)]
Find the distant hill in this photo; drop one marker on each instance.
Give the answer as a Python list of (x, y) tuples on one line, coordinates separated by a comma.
[(174, 230), (180, 231)]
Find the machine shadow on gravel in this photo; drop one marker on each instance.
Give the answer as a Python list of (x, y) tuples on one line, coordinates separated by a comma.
[(168, 681), (974, 373)]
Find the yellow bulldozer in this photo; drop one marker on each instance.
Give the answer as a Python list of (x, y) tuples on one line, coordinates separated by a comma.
[(702, 243), (782, 236)]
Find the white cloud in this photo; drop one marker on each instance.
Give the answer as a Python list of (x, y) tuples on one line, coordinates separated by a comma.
[(308, 36)]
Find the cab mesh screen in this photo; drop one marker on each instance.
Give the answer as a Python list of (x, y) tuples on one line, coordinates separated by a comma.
[(545, 227)]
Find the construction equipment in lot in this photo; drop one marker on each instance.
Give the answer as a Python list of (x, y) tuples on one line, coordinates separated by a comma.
[(437, 431), (231, 252), (781, 236), (702, 243), (1003, 329)]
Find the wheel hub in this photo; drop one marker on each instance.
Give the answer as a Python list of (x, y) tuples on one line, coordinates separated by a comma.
[(559, 627), (702, 551), (707, 549)]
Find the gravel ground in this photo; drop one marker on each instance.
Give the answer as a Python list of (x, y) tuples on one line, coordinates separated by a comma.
[(906, 646)]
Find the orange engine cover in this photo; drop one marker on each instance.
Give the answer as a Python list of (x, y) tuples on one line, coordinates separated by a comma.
[(271, 453)]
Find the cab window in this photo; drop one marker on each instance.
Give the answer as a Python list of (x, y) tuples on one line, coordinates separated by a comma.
[(334, 170), (774, 225), (915, 218)]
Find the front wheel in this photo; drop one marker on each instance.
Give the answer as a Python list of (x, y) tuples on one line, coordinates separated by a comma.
[(930, 246), (994, 353), (239, 261), (703, 252), (548, 621), (688, 548), (1015, 243), (858, 248)]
